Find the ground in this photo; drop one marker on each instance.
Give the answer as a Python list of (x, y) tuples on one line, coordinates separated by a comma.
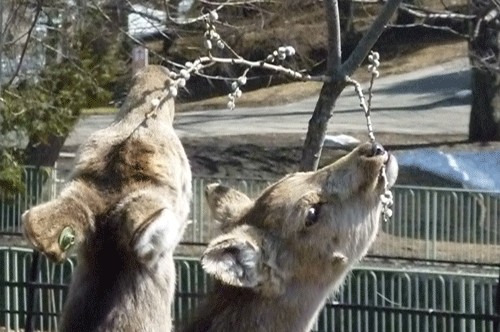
[(270, 156)]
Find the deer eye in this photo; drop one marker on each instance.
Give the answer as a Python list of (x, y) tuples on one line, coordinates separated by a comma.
[(313, 215)]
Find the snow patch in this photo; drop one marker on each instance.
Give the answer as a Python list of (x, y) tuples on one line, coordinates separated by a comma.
[(475, 170), (341, 141)]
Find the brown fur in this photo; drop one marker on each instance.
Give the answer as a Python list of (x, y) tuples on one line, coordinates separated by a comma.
[(278, 263), (223, 201), (128, 202)]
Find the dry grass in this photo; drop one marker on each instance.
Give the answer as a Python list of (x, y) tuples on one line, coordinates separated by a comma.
[(390, 245)]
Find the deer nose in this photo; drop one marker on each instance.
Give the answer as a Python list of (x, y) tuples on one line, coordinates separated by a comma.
[(377, 149)]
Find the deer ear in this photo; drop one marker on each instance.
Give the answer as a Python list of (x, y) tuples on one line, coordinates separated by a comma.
[(226, 204), (234, 259)]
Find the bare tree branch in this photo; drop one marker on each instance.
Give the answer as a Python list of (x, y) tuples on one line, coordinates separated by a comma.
[(318, 124), (236, 3), (371, 36), (262, 64), (25, 46), (334, 40), (432, 14), (430, 26), (362, 102)]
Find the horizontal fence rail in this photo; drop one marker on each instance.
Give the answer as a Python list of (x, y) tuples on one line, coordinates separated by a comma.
[(374, 298), (443, 224)]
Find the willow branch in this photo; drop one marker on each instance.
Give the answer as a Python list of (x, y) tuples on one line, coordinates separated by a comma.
[(370, 38), (268, 66)]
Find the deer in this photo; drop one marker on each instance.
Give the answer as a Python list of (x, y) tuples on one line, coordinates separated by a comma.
[(124, 209), (282, 254)]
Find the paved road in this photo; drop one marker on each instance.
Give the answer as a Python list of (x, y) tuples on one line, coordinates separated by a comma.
[(429, 101)]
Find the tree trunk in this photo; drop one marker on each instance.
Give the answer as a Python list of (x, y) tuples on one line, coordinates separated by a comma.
[(318, 124), (484, 124), (44, 154), (337, 72)]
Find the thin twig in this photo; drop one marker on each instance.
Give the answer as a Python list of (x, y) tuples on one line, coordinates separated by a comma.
[(262, 64), (370, 37), (433, 14), (370, 92), (128, 35), (25, 46), (362, 103), (430, 26)]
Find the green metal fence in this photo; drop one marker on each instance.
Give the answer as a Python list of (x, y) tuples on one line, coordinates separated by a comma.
[(428, 223), (40, 184), (388, 296), (435, 224)]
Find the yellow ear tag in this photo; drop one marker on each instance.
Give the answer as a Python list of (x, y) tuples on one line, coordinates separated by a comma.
[(66, 238)]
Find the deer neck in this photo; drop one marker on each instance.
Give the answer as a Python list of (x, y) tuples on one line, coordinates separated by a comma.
[(294, 310)]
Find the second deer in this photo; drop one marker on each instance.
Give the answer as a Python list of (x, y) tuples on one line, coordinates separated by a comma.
[(285, 252)]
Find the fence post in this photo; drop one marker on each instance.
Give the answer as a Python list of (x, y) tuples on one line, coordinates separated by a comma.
[(140, 58), (28, 327), (496, 323)]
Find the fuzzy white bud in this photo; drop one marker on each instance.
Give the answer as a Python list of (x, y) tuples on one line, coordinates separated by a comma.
[(234, 85), (220, 44), (214, 35), (231, 105), (155, 102), (290, 51), (173, 91), (185, 74), (282, 56), (242, 80), (270, 58), (181, 83), (188, 64), (214, 15), (238, 93), (208, 44), (281, 50)]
